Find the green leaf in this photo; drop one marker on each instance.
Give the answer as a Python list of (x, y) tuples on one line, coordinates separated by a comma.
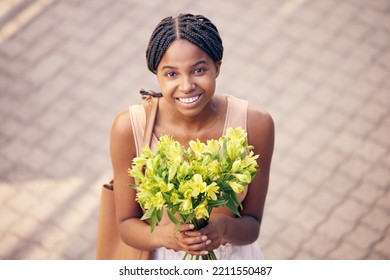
[(171, 216), (153, 222), (233, 195), (225, 188), (216, 203), (232, 207), (189, 218), (150, 213), (230, 203), (134, 186), (167, 197), (159, 213)]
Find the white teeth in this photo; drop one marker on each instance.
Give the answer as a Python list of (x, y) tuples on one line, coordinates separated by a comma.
[(189, 100)]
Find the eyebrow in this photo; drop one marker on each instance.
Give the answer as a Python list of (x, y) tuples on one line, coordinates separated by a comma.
[(194, 65)]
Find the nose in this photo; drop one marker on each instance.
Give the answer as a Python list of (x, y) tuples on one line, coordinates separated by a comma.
[(186, 84)]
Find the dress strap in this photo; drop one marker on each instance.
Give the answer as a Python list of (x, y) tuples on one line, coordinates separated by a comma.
[(237, 111), (138, 120), (142, 122)]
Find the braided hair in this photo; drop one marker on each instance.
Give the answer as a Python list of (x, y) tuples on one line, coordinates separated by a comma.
[(197, 29)]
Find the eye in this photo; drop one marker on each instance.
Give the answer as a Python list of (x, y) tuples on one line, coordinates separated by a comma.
[(170, 74), (198, 71)]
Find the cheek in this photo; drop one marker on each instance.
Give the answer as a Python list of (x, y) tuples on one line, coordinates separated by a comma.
[(207, 83), (161, 81), (167, 87)]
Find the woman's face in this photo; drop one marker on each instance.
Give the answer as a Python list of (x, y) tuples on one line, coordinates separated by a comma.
[(187, 77)]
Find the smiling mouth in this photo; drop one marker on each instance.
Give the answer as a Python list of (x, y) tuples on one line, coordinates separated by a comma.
[(189, 100)]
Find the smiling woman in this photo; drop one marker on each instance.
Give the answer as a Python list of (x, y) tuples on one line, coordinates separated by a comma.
[(187, 77), (185, 53)]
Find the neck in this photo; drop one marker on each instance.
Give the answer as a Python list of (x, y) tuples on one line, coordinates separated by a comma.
[(191, 123), (206, 125)]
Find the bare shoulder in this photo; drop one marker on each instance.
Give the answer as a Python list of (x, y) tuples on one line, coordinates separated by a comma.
[(122, 123), (259, 120), (261, 129), (122, 139)]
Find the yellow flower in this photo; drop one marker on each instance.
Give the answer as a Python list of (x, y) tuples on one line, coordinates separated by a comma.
[(201, 211), (213, 170), (174, 153), (158, 200), (148, 185), (198, 186), (212, 146), (162, 185), (144, 197), (139, 162), (197, 147), (212, 190), (186, 205), (236, 135), (231, 151), (170, 186), (207, 159), (172, 172), (183, 170), (236, 166), (185, 189), (179, 178), (146, 152), (156, 162), (165, 141), (244, 178), (175, 198), (249, 163), (198, 167), (150, 169), (236, 187), (136, 173)]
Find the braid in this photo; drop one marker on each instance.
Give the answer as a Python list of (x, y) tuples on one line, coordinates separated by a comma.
[(161, 38), (195, 28), (146, 93), (203, 33)]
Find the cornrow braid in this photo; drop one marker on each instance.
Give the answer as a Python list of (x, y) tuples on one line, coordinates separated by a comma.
[(146, 93), (197, 29), (203, 33), (161, 38)]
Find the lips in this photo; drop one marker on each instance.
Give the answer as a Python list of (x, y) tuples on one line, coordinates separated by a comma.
[(189, 100)]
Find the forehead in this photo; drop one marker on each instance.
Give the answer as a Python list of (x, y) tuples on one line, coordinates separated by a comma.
[(182, 53)]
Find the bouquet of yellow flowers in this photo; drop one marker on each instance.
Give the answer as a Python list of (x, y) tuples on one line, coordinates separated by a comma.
[(189, 183)]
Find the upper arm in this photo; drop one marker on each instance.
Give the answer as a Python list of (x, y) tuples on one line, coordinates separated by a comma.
[(261, 134), (123, 150)]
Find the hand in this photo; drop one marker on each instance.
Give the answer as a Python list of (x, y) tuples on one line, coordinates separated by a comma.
[(193, 242), (183, 239), (215, 231)]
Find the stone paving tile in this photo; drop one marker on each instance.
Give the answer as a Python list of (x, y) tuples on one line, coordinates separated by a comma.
[(321, 68)]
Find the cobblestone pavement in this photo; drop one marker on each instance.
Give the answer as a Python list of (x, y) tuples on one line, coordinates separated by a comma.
[(320, 67)]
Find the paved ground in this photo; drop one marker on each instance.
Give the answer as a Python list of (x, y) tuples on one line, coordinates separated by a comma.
[(320, 67)]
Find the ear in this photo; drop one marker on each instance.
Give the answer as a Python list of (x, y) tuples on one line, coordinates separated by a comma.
[(217, 68)]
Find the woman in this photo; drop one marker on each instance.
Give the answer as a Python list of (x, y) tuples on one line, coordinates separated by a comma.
[(185, 53)]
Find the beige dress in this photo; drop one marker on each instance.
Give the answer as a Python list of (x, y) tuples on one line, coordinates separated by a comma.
[(236, 116)]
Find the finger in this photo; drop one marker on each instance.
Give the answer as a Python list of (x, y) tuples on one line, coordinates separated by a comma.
[(186, 227), (193, 233), (188, 238)]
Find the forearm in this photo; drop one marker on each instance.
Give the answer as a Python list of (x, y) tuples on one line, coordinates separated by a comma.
[(240, 230), (136, 233)]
